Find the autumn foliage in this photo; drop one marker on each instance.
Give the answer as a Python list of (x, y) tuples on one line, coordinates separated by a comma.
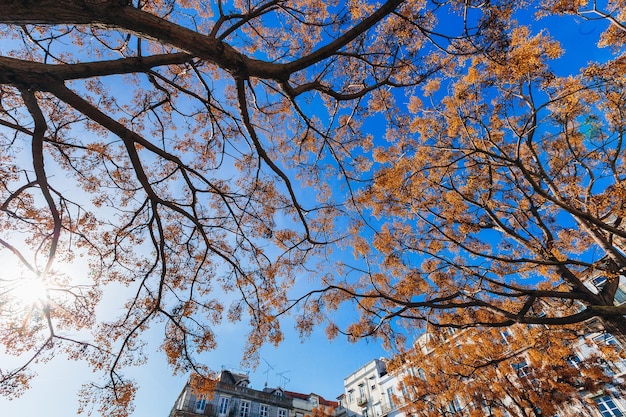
[(207, 156), (526, 371), (500, 191)]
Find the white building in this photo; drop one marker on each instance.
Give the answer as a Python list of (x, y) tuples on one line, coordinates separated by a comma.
[(370, 391), (609, 402)]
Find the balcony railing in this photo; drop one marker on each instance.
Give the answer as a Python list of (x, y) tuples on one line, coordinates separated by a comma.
[(387, 407)]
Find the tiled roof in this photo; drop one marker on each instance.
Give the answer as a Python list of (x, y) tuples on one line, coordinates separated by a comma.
[(306, 397)]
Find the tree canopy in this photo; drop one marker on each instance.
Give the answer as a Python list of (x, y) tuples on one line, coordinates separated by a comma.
[(502, 198), (189, 150), (525, 371)]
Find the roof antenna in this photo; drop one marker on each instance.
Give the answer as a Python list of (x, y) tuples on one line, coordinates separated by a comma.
[(283, 379), (269, 368)]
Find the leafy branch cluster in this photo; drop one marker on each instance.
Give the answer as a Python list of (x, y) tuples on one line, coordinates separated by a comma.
[(207, 155)]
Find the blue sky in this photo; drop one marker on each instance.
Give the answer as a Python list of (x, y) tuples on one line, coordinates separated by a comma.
[(316, 365), (313, 365)]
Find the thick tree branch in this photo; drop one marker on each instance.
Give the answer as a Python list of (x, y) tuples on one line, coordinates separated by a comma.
[(26, 72)]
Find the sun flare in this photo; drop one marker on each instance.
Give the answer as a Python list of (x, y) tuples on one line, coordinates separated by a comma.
[(22, 288), (29, 291)]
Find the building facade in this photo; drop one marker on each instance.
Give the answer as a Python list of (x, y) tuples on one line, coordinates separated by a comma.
[(373, 391), (370, 391), (232, 397)]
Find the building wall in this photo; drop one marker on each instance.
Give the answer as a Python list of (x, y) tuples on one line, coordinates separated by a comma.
[(189, 403), (371, 391), (392, 399), (364, 395), (608, 403), (231, 397)]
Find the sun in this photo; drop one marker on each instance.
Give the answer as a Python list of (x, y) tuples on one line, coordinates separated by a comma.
[(22, 289), (29, 291)]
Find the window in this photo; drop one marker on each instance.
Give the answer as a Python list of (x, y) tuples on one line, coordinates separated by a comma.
[(421, 373), (574, 360), (350, 396), (264, 410), (607, 406), (506, 335), (390, 395), (372, 383), (223, 405), (620, 295), (201, 404), (521, 368), (361, 391), (364, 412), (454, 406), (607, 339), (606, 367), (244, 409), (314, 402), (598, 282), (282, 412)]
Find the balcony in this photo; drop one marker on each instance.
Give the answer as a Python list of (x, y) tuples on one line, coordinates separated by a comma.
[(386, 408), (361, 401)]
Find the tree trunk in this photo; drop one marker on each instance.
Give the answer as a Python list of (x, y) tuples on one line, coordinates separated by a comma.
[(616, 326)]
